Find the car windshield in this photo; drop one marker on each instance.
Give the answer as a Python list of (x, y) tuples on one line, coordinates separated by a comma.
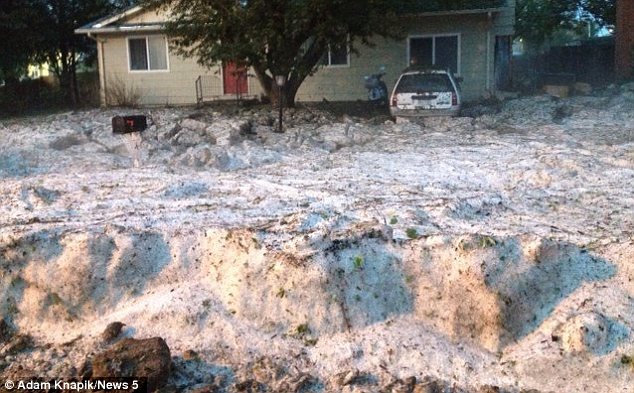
[(414, 83)]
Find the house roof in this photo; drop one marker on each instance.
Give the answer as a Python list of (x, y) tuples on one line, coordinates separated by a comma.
[(450, 6), (108, 24)]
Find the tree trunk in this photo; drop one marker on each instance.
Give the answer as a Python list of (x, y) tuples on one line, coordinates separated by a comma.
[(73, 73), (272, 91)]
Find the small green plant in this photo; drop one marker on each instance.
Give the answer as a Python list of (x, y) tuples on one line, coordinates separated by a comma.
[(357, 298), (411, 233), (54, 298), (281, 293), (302, 329), (358, 262), (206, 303), (409, 279), (16, 281), (628, 361), (487, 241), (393, 220)]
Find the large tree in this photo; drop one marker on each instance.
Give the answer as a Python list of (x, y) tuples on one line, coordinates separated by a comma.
[(275, 37)]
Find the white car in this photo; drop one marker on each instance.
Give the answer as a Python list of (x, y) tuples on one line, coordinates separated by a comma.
[(419, 93)]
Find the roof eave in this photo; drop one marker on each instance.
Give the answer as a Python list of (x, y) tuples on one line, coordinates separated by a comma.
[(117, 17), (119, 29), (459, 12)]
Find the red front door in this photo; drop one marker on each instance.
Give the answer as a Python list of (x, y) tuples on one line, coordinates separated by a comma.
[(235, 79)]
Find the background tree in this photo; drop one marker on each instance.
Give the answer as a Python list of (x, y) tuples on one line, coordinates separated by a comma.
[(20, 42), (62, 49), (603, 10), (538, 20), (275, 37)]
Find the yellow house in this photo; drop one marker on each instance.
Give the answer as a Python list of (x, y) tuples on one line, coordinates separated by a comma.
[(134, 54), (36, 71)]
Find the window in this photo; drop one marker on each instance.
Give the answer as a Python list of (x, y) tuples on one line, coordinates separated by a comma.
[(337, 57), (148, 53), (437, 51)]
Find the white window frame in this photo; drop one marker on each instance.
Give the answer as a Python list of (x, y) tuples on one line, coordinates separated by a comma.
[(347, 65), (147, 50), (433, 46)]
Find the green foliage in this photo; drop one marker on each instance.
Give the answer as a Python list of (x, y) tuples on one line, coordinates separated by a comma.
[(54, 298), (28, 97), (603, 10), (281, 293), (538, 20), (628, 361), (358, 262), (302, 330), (413, 6), (487, 241), (411, 233), (43, 31), (20, 39), (393, 220)]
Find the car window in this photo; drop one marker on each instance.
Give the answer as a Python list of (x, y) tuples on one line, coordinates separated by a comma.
[(414, 83)]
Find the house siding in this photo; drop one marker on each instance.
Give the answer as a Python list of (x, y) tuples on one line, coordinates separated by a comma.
[(346, 83), (177, 85)]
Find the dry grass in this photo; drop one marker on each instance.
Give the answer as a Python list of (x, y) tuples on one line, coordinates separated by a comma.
[(120, 93)]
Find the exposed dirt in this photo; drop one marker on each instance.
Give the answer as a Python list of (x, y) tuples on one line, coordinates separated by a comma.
[(348, 254)]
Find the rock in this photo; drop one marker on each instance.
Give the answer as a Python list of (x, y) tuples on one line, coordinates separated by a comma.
[(6, 332), (582, 88), (18, 343), (140, 358), (190, 354), (112, 331)]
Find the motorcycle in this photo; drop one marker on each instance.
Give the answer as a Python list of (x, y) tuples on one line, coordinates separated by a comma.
[(377, 90)]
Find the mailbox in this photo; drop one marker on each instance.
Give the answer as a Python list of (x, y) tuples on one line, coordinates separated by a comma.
[(127, 124)]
